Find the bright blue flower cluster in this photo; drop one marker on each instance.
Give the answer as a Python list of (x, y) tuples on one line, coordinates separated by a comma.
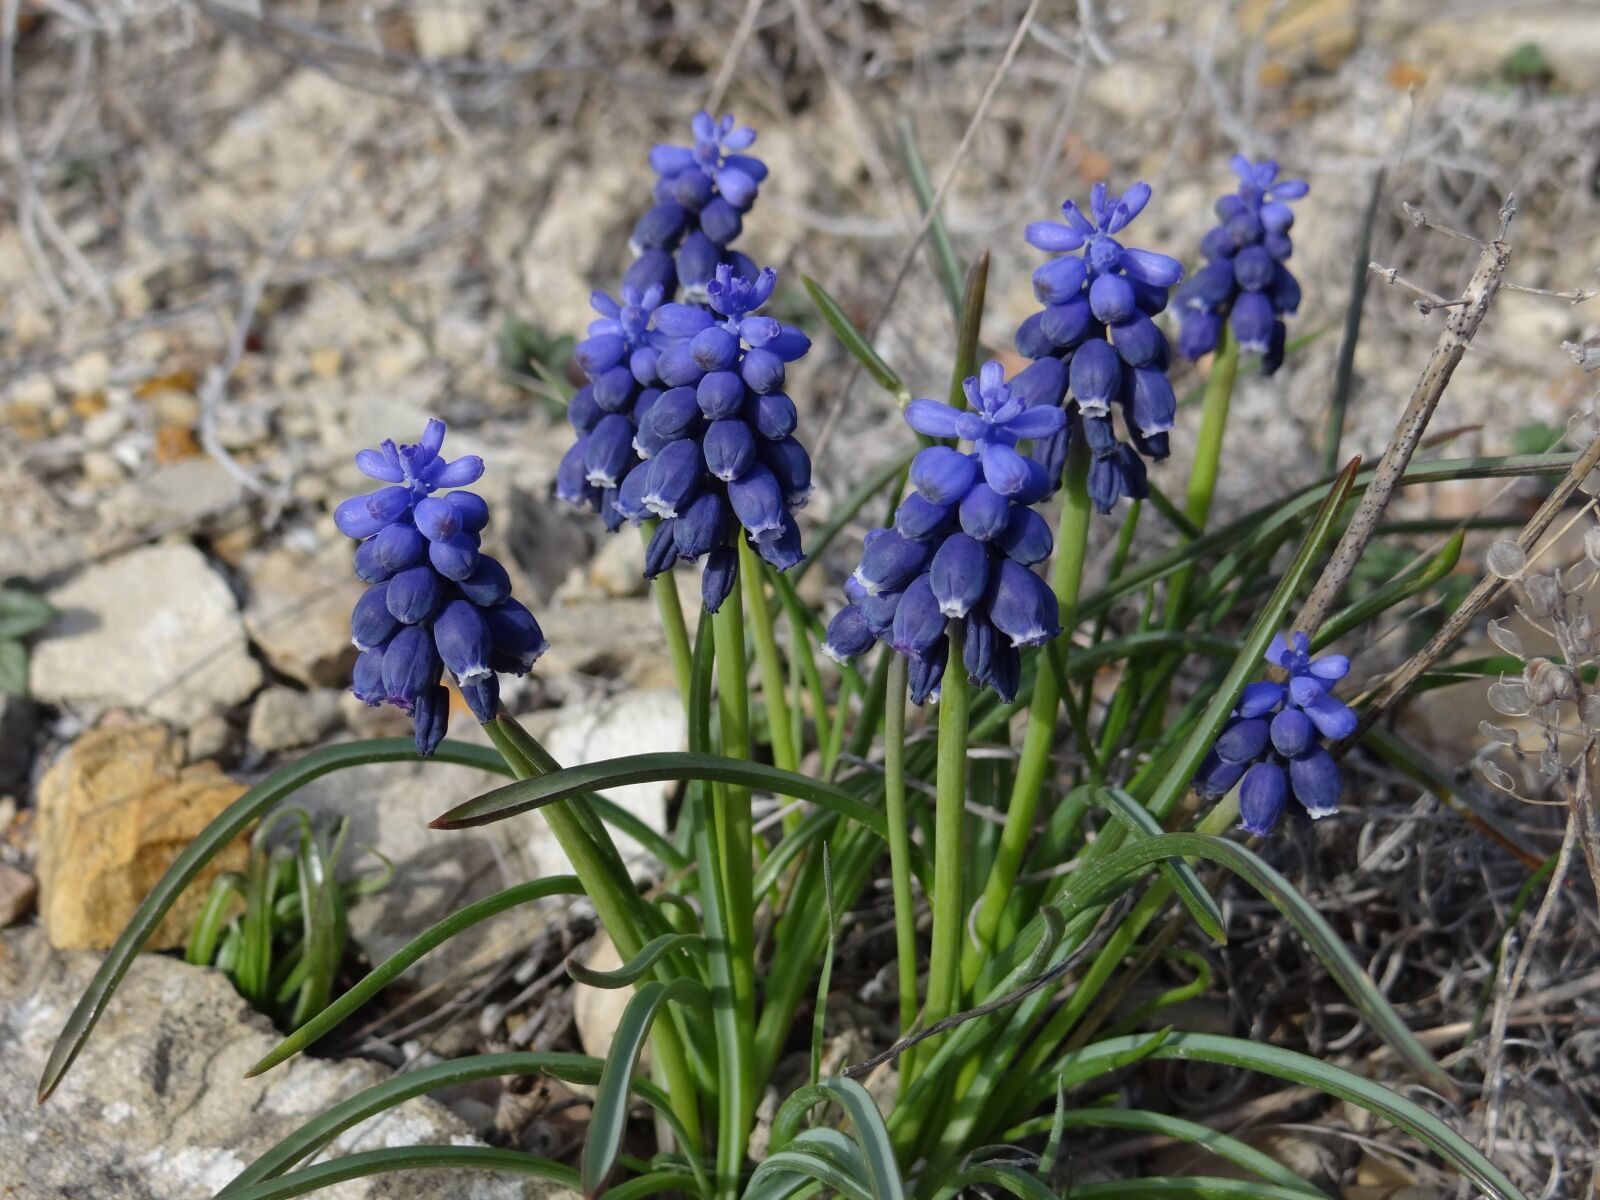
[(684, 416), (962, 543), (619, 359), (718, 445), (435, 601), (702, 194), (1269, 746), (1244, 280), (1099, 298)]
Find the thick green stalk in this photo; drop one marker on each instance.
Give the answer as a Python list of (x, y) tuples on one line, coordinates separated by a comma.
[(774, 692), (664, 587), (734, 839), (894, 803), (1033, 764), (605, 881), (949, 819)]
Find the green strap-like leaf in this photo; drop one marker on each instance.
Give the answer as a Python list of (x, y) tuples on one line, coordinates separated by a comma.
[(408, 1158), (1185, 1187), (1330, 1080), (401, 960), (639, 965), (652, 1184), (610, 1114), (856, 342), (1138, 820), (528, 794), (227, 825), (1102, 879), (1229, 1149), (823, 1155), (882, 1170), (1012, 1179), (380, 1097)]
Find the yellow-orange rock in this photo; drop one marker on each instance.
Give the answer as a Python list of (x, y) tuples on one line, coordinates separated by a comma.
[(114, 811)]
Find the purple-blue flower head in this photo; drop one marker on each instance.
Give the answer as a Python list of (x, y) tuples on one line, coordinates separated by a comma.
[(1245, 281), (436, 602), (718, 447), (1099, 297), (1269, 747), (703, 191), (962, 544)]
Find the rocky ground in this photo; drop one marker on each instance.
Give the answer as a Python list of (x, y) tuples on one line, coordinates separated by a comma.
[(245, 244)]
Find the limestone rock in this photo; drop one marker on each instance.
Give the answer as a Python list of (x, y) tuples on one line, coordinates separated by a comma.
[(114, 811), (155, 630), (282, 718), (436, 872), (636, 722), (17, 892), (299, 613), (190, 493), (158, 1107)]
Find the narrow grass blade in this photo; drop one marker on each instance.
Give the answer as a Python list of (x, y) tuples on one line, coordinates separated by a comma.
[(1137, 819), (397, 963), (819, 1018), (380, 1097), (610, 1114), (1344, 371), (856, 342), (408, 1158), (969, 324), (943, 252), (1422, 574), (227, 825), (528, 794), (639, 966), (1136, 1120), (1295, 1067)]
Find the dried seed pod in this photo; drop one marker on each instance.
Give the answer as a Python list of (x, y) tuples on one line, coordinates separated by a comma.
[(1591, 544), (1500, 734), (1506, 559), (1504, 638), (1581, 631), (1510, 699), (1550, 762), (1496, 776), (1583, 428), (1578, 576), (1546, 682), (1589, 712), (1544, 595)]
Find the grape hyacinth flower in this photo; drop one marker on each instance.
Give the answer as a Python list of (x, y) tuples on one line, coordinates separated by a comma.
[(702, 194), (717, 446), (435, 601), (619, 361), (1100, 297), (962, 545), (1269, 747), (1245, 281)]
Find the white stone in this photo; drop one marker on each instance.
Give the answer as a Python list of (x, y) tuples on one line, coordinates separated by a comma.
[(283, 718), (155, 630)]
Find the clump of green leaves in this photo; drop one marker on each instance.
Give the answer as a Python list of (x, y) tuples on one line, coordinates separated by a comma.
[(279, 930), (21, 613)]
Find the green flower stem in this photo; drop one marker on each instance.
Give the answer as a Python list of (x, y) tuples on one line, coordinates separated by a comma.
[(774, 691), (1033, 764), (605, 880), (894, 802), (950, 814), (1207, 460), (664, 587), (734, 839)]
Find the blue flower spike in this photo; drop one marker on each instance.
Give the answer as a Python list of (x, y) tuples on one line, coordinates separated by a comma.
[(435, 602), (1100, 296), (1270, 747), (961, 545), (1245, 281)]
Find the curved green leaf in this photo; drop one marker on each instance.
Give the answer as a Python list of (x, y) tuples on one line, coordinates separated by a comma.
[(824, 1155), (1424, 572), (637, 967), (882, 1170), (392, 967), (1012, 1179), (227, 825), (610, 1114), (652, 1184), (856, 342), (1229, 1149), (528, 794), (1295, 1067), (1138, 820), (1097, 880), (1186, 1187), (408, 1158)]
